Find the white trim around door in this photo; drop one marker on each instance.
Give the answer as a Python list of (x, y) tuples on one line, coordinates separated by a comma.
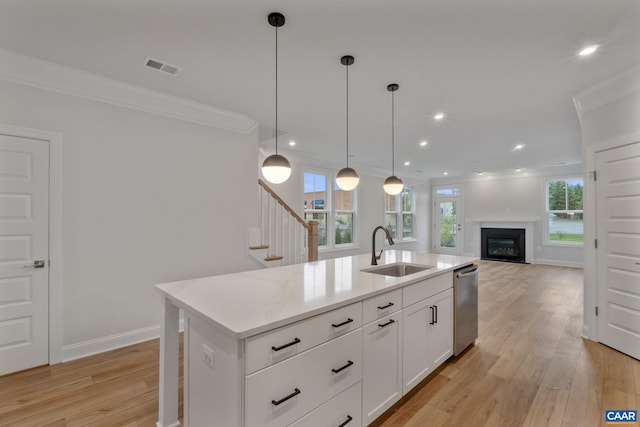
[(55, 231)]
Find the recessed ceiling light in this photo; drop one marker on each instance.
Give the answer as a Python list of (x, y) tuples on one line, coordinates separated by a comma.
[(407, 163), (292, 143), (439, 116), (518, 170), (446, 173), (588, 50), (424, 143), (479, 173), (519, 147)]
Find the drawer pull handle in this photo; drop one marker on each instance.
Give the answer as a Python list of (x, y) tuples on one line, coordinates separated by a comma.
[(282, 347), (349, 363), (349, 418), (284, 399), (385, 306), (433, 315), (342, 324), (386, 324)]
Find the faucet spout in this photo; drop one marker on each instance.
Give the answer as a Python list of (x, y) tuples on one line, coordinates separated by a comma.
[(374, 257)]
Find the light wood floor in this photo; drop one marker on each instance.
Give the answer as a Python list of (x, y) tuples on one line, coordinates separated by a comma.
[(530, 368)]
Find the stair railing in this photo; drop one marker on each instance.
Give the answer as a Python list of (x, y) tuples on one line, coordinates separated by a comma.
[(283, 232)]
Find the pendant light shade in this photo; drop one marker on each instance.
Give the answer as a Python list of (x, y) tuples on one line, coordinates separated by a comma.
[(347, 178), (276, 168), (393, 185)]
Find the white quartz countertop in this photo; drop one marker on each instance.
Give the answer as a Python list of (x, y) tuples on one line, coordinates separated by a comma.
[(248, 303)]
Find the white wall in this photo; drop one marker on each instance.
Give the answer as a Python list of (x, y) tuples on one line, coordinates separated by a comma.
[(370, 210), (610, 117), (146, 199), (512, 198)]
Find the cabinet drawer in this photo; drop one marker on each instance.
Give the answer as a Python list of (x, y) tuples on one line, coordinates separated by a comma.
[(342, 410), (418, 291), (275, 346), (381, 306), (284, 392)]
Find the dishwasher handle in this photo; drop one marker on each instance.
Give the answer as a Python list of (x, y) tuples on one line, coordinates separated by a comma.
[(468, 271)]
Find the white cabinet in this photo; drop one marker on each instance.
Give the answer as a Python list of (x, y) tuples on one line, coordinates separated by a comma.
[(427, 337), (286, 391), (382, 370), (341, 411)]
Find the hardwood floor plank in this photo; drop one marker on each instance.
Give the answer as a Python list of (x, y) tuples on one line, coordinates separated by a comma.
[(530, 367)]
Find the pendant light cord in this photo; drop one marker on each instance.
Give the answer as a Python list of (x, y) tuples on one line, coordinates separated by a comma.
[(276, 90), (393, 129), (347, 115)]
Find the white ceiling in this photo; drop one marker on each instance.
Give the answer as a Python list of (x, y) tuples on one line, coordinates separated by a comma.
[(504, 71)]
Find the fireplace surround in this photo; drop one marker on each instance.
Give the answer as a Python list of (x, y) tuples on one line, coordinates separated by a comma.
[(503, 244)]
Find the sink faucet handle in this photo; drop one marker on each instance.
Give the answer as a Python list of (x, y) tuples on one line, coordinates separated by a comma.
[(379, 255)]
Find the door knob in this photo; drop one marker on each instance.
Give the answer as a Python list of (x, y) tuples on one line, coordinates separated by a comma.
[(36, 264)]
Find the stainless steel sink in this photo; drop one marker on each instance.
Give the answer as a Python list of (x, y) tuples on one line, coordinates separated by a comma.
[(398, 269)]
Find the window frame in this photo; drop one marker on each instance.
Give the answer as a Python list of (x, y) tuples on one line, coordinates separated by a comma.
[(331, 212), (547, 211), (400, 213)]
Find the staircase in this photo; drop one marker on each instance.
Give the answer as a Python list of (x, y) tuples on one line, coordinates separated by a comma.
[(283, 238)]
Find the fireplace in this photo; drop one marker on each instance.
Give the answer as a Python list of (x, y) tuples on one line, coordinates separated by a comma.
[(503, 244)]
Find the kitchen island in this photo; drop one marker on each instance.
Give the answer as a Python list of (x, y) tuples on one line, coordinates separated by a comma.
[(305, 344)]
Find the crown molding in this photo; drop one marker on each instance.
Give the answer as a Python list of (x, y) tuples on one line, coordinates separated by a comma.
[(607, 91), (29, 71)]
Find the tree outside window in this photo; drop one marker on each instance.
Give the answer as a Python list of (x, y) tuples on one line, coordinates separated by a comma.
[(565, 220)]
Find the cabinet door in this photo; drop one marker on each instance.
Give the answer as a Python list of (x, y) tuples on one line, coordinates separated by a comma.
[(441, 332), (415, 354), (382, 366)]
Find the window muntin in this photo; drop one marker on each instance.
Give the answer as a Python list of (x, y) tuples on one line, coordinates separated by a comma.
[(565, 217)]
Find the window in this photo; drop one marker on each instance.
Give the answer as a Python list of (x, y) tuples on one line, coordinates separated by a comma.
[(343, 226), (333, 208), (400, 210), (565, 223), (450, 191)]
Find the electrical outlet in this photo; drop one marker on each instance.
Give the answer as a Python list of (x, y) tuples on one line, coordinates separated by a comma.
[(208, 356)]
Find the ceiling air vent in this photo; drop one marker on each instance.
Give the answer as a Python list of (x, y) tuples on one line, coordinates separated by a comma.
[(161, 66)]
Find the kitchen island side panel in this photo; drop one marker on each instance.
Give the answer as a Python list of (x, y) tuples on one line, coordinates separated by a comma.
[(214, 388)]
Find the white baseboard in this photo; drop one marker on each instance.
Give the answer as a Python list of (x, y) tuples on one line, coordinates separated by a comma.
[(559, 263), (111, 342)]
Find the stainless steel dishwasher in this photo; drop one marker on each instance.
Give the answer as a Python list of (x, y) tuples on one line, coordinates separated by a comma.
[(465, 303)]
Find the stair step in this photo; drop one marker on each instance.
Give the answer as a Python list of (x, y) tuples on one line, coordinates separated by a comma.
[(273, 258), (259, 247)]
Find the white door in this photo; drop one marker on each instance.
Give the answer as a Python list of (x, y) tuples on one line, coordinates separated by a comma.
[(448, 226), (618, 233), (415, 353), (24, 253), (382, 366), (441, 332)]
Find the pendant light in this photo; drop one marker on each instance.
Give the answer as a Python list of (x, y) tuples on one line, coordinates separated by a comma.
[(347, 178), (393, 185), (276, 168)]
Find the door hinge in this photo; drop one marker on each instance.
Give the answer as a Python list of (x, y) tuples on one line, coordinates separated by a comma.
[(595, 243), (596, 310), (595, 175)]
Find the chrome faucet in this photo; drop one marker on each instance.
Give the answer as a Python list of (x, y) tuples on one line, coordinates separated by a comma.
[(374, 257)]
